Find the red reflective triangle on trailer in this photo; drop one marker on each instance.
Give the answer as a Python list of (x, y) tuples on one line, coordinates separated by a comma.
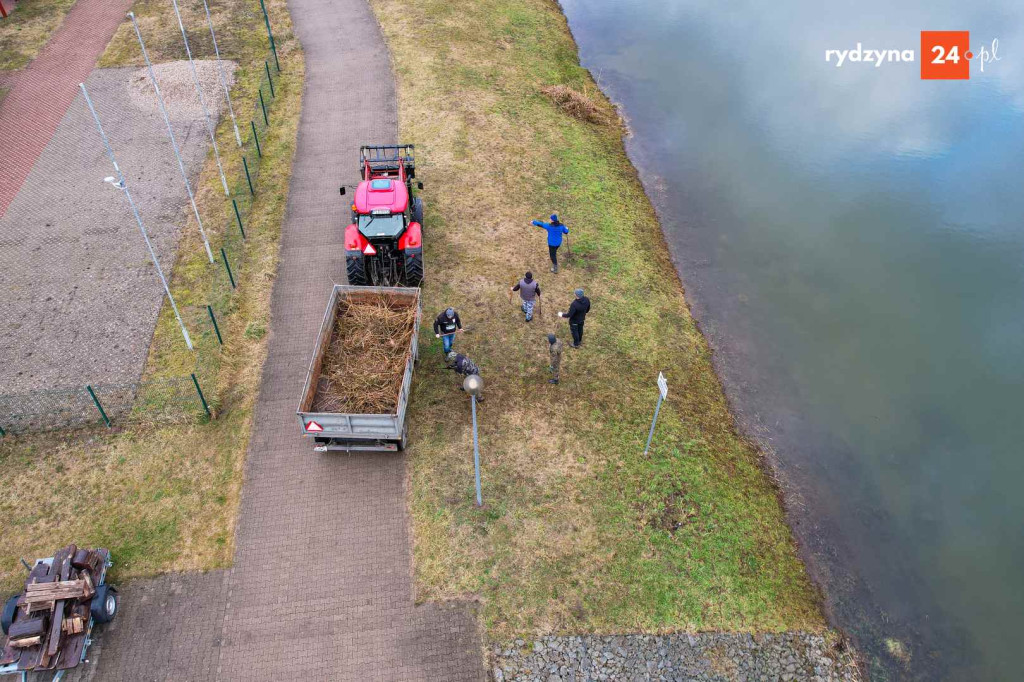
[(313, 426), (369, 250)]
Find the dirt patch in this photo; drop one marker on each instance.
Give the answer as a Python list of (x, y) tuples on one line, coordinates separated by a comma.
[(365, 361), (178, 87)]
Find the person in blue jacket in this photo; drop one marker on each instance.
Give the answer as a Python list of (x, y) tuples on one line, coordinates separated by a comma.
[(555, 231)]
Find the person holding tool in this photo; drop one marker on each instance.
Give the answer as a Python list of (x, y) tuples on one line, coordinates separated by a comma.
[(576, 316), (555, 231), (555, 348), (446, 326), (529, 292), (462, 365)]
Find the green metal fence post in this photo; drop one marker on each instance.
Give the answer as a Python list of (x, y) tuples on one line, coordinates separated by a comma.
[(213, 319), (256, 138), (270, 80), (99, 407), (264, 107), (202, 398), (2, 432), (248, 178), (239, 217), (270, 34), (227, 267)]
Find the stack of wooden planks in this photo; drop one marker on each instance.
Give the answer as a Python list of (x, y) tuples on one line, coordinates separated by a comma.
[(51, 622)]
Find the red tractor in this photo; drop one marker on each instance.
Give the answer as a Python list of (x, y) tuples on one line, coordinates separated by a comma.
[(384, 243)]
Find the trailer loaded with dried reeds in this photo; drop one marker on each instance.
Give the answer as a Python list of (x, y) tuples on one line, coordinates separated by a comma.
[(361, 372)]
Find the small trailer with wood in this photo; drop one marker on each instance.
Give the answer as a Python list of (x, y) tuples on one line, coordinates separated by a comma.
[(357, 386), (49, 626)]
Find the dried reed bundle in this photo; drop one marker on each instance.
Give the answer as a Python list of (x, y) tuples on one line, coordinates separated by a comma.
[(576, 104), (364, 364)]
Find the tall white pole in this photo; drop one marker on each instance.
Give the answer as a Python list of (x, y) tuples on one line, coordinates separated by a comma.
[(223, 77), (202, 101), (142, 228), (170, 132)]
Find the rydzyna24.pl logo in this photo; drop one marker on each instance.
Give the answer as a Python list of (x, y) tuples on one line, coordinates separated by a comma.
[(945, 55)]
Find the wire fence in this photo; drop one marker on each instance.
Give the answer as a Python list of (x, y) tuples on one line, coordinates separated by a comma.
[(192, 396)]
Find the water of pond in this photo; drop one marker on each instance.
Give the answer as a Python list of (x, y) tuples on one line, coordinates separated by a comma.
[(852, 241)]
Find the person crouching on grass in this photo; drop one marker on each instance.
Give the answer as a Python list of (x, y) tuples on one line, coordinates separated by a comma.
[(529, 292), (463, 366)]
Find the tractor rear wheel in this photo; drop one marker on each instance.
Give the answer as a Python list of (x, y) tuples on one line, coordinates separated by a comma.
[(355, 268), (417, 211), (413, 269)]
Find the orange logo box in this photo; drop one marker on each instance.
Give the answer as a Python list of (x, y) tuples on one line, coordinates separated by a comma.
[(946, 55)]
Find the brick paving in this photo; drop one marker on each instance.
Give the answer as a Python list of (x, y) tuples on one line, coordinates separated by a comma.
[(322, 584), (34, 107)]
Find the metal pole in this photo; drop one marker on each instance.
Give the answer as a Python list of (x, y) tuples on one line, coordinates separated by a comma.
[(202, 398), (270, 80), (264, 108), (170, 132), (223, 78), (256, 138), (239, 217), (476, 455), (202, 100), (138, 219), (270, 34), (213, 319), (248, 178), (227, 267), (653, 422), (99, 407)]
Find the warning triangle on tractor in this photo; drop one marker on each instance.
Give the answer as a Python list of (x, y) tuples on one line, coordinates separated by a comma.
[(369, 250), (313, 426)]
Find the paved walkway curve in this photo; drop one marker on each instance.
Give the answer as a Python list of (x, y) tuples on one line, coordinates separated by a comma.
[(42, 93), (322, 587)]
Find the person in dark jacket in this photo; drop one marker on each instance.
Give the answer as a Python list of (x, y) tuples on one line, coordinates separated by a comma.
[(529, 292), (577, 315), (463, 366), (555, 231), (446, 326)]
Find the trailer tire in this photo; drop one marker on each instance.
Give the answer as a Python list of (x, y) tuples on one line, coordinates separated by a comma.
[(417, 211), (104, 604), (10, 608), (355, 268), (404, 442)]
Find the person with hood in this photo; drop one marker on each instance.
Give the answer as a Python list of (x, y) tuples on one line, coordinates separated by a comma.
[(463, 366), (555, 231), (529, 292), (576, 316), (555, 349), (445, 327)]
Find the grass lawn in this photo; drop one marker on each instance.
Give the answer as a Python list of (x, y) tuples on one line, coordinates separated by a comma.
[(579, 531), (166, 497), (24, 33)]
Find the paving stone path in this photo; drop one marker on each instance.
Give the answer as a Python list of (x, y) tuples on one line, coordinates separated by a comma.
[(34, 107)]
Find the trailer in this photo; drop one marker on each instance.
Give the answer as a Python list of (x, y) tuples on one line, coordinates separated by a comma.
[(347, 431), (49, 626)]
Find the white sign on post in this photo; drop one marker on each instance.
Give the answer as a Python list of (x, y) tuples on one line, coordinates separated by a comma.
[(662, 394), (662, 385)]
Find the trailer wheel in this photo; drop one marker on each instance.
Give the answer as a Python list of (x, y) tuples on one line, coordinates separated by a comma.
[(355, 268), (104, 604), (10, 608), (417, 211), (405, 439)]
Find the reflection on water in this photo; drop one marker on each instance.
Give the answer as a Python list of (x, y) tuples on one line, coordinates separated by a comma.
[(851, 240)]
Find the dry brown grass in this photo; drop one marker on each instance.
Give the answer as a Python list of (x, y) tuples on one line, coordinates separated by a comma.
[(576, 104), (571, 536), (365, 362)]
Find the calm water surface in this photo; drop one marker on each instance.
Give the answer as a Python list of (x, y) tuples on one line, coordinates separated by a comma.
[(852, 241)]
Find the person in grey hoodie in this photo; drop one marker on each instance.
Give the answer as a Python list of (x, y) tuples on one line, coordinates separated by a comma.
[(529, 292)]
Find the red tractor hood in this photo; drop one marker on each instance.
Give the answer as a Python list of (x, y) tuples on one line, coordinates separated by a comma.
[(381, 193)]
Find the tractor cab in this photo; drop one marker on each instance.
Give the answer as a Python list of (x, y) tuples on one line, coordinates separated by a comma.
[(383, 244)]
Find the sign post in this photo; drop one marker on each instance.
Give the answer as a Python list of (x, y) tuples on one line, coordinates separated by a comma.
[(662, 394)]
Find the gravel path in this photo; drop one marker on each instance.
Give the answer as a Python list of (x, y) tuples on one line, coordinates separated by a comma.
[(704, 657), (80, 296)]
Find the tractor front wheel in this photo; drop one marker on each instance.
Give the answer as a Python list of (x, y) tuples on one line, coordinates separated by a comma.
[(417, 211), (355, 268)]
